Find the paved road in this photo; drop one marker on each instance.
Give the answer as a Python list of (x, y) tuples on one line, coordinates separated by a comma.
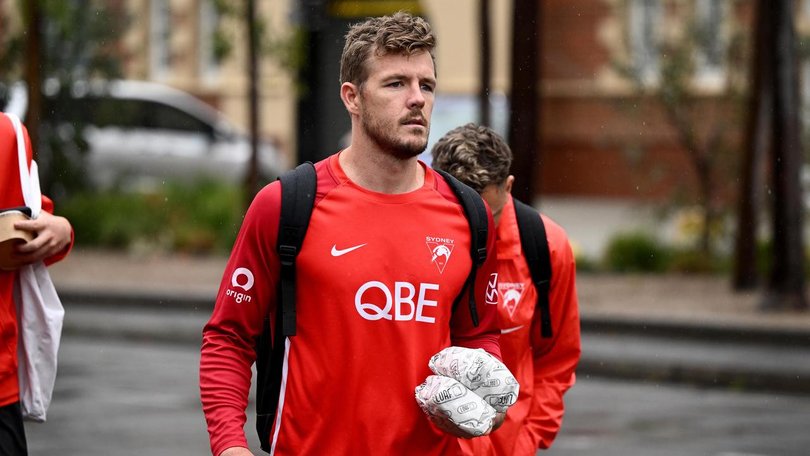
[(125, 398), (611, 418)]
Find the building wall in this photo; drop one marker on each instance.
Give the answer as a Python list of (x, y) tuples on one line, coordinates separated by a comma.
[(457, 58), (598, 135), (227, 87), (458, 44)]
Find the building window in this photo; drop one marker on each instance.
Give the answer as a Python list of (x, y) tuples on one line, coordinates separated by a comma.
[(159, 39), (711, 47), (645, 19), (208, 59)]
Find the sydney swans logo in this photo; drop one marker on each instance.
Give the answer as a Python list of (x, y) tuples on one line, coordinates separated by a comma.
[(440, 251), (511, 293)]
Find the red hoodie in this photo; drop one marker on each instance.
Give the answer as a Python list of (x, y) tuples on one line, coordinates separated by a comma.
[(543, 367)]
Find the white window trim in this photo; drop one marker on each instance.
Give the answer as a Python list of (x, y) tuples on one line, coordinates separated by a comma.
[(707, 73), (159, 39), (209, 67), (645, 17)]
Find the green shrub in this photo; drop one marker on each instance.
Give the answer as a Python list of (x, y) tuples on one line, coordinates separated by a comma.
[(636, 252), (204, 217), (111, 220), (199, 218)]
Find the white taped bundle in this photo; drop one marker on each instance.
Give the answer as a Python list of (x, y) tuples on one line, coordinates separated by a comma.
[(444, 398), (480, 372)]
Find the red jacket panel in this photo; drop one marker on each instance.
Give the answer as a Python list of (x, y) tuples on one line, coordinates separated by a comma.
[(543, 367)]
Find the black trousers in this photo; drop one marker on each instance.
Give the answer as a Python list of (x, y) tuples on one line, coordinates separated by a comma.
[(12, 432)]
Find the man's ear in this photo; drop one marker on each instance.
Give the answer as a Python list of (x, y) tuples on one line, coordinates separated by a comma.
[(350, 94), (507, 186)]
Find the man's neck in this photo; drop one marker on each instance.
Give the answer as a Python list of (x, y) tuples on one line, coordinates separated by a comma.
[(381, 172)]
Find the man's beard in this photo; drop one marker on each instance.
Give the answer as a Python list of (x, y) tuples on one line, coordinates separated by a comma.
[(386, 139)]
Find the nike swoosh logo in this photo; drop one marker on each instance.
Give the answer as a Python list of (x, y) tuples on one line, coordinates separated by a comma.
[(340, 252), (509, 330)]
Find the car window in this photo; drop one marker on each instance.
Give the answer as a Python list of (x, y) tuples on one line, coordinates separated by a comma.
[(135, 114), (170, 118), (100, 112), (114, 112)]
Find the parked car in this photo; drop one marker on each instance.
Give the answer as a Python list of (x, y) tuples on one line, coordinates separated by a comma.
[(142, 133)]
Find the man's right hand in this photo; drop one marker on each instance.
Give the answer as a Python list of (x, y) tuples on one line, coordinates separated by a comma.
[(480, 372), (453, 408), (236, 451)]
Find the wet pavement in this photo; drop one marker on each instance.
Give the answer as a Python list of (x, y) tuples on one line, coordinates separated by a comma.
[(130, 397)]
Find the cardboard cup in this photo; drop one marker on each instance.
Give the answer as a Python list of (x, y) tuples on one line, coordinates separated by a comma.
[(10, 237)]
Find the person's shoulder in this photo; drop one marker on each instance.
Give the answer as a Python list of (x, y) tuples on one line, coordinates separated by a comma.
[(268, 193), (554, 231), (441, 186), (552, 227), (556, 235), (7, 127), (8, 138), (325, 181), (325, 177)]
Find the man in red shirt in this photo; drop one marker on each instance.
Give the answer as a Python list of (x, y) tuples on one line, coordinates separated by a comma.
[(544, 367), (52, 239), (386, 253)]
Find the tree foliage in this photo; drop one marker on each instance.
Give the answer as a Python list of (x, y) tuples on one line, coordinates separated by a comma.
[(286, 48), (79, 41), (700, 122)]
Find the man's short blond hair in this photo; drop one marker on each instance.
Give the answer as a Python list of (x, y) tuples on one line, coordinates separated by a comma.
[(475, 155), (400, 33)]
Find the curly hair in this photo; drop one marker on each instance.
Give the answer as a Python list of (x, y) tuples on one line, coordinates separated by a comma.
[(475, 155), (400, 33)]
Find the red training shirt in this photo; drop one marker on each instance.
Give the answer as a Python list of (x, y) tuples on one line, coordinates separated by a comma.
[(376, 280)]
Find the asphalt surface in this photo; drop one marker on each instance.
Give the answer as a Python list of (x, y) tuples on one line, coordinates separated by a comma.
[(671, 365), (124, 397), (680, 329)]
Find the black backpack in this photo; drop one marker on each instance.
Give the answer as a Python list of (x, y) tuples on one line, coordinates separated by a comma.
[(298, 189)]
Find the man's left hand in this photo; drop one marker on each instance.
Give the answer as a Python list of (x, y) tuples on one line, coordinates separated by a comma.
[(51, 236)]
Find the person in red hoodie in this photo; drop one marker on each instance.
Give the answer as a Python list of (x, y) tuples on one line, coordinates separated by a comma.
[(544, 367), (52, 238)]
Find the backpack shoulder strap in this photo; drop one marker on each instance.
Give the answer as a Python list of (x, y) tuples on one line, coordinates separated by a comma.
[(535, 247), (476, 214), (298, 187)]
